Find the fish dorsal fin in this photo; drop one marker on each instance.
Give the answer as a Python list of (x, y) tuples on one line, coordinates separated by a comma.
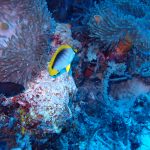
[(68, 68), (50, 65)]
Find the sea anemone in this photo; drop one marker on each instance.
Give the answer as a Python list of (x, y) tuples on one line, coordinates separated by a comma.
[(118, 19), (24, 29)]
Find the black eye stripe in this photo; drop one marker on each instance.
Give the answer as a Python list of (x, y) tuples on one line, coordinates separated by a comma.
[(60, 55)]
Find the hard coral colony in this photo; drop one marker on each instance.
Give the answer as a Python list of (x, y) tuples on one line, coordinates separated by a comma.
[(103, 103)]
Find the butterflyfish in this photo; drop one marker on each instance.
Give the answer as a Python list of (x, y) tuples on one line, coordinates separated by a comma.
[(61, 60)]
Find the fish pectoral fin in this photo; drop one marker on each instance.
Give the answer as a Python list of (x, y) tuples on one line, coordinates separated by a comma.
[(68, 68)]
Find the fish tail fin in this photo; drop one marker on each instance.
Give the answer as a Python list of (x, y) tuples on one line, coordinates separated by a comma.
[(53, 72), (68, 68)]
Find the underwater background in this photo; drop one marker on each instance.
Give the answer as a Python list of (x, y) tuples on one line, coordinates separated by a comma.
[(75, 75)]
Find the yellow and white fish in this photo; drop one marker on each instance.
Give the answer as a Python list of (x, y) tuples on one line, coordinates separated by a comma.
[(61, 60)]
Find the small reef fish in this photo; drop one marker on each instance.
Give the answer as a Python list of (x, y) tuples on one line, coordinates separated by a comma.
[(9, 89), (4, 26), (61, 60)]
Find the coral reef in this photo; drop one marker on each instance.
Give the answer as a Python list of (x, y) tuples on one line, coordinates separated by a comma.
[(115, 125), (43, 107), (103, 104)]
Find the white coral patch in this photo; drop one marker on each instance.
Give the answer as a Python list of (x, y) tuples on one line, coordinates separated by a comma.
[(49, 97)]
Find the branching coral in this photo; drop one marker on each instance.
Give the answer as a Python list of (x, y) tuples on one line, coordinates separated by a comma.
[(25, 42)]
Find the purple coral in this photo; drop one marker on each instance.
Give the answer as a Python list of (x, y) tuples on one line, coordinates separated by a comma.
[(23, 45)]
